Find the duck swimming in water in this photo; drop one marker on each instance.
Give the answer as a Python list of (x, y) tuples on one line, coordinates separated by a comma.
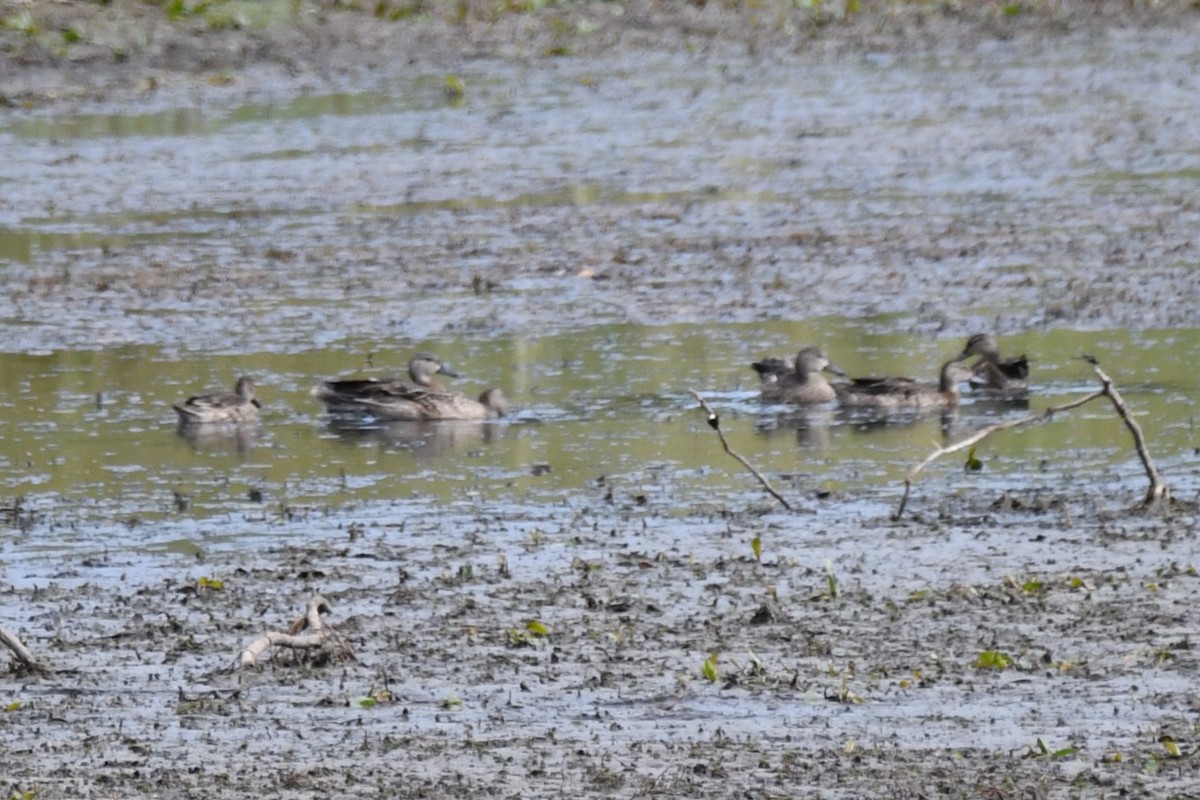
[(800, 383), (241, 406), (991, 372), (905, 393), (418, 399)]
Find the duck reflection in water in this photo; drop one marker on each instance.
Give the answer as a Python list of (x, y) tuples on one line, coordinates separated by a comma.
[(225, 437), (813, 426), (431, 439)]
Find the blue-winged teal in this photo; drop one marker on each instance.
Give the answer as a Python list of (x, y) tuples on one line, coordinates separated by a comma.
[(1007, 376), (420, 398), (902, 393), (801, 383), (241, 406)]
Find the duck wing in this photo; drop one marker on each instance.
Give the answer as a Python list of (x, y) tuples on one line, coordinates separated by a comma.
[(878, 386), (771, 369), (370, 388), (1015, 369), (214, 402)]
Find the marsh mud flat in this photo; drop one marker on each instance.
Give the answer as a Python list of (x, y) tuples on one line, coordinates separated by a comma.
[(1028, 644), (1034, 642), (307, 183)]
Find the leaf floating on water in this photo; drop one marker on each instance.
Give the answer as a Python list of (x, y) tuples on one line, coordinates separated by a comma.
[(973, 464), (756, 546), (216, 584), (710, 671), (13, 706), (364, 702), (537, 628)]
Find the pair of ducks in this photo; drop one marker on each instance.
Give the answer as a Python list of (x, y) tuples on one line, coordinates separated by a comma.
[(418, 399), (802, 383)]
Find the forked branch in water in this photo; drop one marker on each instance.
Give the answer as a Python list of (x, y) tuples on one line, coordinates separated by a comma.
[(1157, 489), (714, 422)]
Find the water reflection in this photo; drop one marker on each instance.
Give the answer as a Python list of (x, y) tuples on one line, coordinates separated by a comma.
[(221, 438), (811, 426), (423, 439)]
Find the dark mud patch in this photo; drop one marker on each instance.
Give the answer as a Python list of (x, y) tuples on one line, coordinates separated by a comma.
[(920, 659)]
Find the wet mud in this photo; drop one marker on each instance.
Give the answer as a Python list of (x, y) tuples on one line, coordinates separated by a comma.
[(1027, 646), (618, 634)]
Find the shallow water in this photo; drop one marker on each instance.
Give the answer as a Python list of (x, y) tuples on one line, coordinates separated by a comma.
[(91, 435), (599, 240)]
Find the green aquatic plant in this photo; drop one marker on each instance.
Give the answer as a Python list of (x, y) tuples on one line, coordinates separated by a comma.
[(455, 89), (831, 582), (1040, 750), (535, 634), (993, 659)]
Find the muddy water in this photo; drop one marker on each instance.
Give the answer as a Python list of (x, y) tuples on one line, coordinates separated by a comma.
[(599, 239)]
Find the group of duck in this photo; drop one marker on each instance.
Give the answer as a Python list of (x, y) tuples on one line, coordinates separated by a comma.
[(803, 381), (417, 399)]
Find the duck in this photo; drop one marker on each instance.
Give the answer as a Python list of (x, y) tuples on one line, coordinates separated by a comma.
[(800, 383), (241, 406), (418, 399), (906, 393), (991, 372)]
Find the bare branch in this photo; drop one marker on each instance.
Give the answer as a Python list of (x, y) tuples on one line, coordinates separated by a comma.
[(714, 422), (321, 636), (19, 650), (1158, 488)]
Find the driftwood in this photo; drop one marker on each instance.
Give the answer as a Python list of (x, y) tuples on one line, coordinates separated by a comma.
[(19, 650), (320, 637), (1156, 491), (714, 422)]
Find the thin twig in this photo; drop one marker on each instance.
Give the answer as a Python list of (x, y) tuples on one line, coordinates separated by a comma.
[(714, 422), (1157, 490)]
